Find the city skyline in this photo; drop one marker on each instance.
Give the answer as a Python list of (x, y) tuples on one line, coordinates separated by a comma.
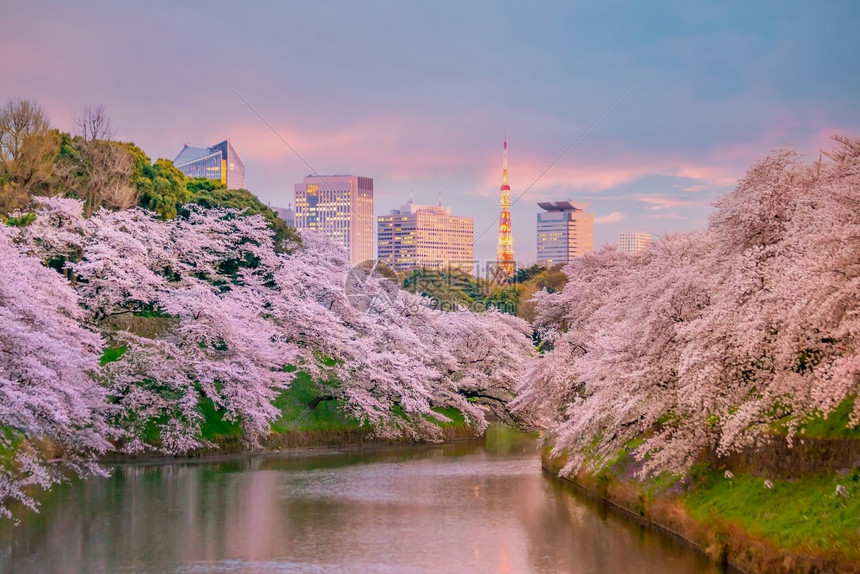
[(424, 99)]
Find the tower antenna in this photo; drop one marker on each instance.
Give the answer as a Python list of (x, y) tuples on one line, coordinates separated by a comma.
[(505, 250)]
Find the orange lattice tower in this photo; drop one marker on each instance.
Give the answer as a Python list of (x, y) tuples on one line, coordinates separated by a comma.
[(505, 251)]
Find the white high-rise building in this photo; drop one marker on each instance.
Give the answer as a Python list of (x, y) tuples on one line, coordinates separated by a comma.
[(564, 231), (341, 206), (633, 242), (425, 236)]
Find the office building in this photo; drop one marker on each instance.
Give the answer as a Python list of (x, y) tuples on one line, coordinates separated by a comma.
[(288, 214), (219, 162), (425, 236), (633, 242), (341, 207), (564, 231)]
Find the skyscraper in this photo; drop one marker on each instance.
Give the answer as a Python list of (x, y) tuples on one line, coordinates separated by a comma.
[(564, 231), (340, 206), (425, 236), (219, 162), (505, 250), (633, 242), (288, 214)]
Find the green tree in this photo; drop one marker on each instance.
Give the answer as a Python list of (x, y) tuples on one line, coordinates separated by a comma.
[(504, 298), (199, 184), (162, 187), (523, 274), (552, 279), (445, 288)]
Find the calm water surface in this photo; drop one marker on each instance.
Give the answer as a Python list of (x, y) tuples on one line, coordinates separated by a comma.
[(482, 507)]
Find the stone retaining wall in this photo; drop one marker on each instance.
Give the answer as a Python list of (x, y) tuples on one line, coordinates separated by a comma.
[(774, 458), (723, 541)]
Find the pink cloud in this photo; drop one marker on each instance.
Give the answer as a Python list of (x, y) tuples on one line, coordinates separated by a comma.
[(669, 202), (387, 144), (403, 149), (610, 218), (694, 188), (822, 139), (590, 176)]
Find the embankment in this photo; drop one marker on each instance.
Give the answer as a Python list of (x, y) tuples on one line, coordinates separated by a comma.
[(801, 525)]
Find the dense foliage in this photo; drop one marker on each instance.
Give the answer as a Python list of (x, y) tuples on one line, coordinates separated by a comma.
[(161, 185), (710, 339), (453, 289)]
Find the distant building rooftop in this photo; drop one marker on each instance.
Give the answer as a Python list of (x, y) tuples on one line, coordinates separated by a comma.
[(564, 205), (324, 175), (217, 162), (418, 208), (189, 154)]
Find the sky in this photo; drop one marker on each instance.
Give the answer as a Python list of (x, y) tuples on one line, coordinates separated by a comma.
[(419, 95)]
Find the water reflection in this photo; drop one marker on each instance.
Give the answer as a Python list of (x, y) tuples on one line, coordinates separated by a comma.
[(463, 507)]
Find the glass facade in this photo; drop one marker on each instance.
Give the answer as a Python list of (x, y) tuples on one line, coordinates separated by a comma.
[(564, 231), (219, 162), (341, 206), (233, 170)]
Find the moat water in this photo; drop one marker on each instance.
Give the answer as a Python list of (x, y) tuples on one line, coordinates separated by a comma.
[(483, 506)]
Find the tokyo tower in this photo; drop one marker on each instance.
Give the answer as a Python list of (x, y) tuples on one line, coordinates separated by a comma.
[(505, 251)]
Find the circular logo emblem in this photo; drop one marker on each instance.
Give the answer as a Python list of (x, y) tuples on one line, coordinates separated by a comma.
[(369, 291)]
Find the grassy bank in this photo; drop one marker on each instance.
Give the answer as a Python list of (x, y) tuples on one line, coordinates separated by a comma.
[(800, 516), (306, 419), (797, 526), (297, 414)]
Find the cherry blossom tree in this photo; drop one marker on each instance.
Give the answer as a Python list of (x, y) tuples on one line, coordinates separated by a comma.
[(59, 233), (708, 340), (51, 410), (236, 313), (798, 282), (220, 349), (124, 263), (206, 273), (396, 358)]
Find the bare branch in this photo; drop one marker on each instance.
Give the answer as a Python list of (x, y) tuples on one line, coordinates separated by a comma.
[(94, 124)]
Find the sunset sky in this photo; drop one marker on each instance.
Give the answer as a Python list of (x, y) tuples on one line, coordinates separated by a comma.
[(419, 94)]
